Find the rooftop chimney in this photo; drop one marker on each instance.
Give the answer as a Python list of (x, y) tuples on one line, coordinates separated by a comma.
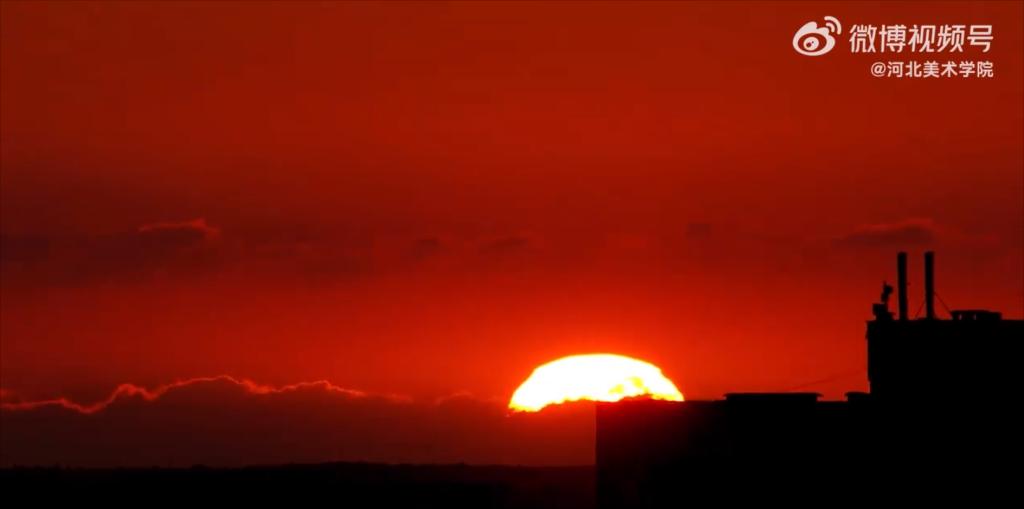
[(929, 284), (901, 283)]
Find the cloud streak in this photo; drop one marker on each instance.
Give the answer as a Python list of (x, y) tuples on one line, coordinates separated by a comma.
[(228, 421), (909, 232), (129, 390)]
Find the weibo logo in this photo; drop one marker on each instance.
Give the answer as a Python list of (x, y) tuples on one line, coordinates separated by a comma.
[(813, 41)]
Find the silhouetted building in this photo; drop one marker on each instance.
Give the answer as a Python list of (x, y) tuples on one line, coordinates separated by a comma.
[(941, 414)]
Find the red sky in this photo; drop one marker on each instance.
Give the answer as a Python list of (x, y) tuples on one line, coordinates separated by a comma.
[(431, 199)]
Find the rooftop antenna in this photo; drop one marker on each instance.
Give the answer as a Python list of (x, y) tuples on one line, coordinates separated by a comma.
[(901, 283), (929, 285)]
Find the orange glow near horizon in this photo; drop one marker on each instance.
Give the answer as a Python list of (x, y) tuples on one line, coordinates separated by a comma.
[(592, 377)]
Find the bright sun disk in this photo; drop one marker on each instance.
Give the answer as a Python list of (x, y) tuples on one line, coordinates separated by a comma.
[(593, 377)]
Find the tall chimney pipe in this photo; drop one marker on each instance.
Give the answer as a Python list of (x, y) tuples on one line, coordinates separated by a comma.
[(929, 284), (901, 283)]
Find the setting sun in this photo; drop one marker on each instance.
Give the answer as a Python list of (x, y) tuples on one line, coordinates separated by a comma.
[(594, 377)]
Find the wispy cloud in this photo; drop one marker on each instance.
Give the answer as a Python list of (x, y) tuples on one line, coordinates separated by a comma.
[(223, 421)]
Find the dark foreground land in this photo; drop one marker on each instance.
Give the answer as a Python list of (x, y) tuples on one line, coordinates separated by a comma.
[(336, 484)]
